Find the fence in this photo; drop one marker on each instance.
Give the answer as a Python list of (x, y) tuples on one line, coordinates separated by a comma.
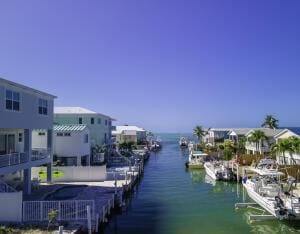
[(73, 173), (70, 210), (248, 159)]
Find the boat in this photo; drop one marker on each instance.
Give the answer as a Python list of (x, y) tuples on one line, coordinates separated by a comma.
[(155, 146), (196, 160), (217, 171), (265, 189), (183, 142)]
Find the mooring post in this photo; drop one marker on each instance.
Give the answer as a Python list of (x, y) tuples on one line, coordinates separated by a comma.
[(60, 229), (237, 172), (115, 183), (97, 222)]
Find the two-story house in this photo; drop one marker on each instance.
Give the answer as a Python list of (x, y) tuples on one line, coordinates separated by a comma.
[(22, 110), (126, 133), (99, 125), (264, 146)]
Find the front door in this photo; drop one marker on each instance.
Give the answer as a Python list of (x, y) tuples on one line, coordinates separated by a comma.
[(2, 144)]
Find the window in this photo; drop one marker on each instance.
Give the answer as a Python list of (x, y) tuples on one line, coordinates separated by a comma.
[(80, 120), (43, 107), (106, 122), (12, 100), (20, 137), (42, 133), (67, 134), (99, 121), (59, 134), (92, 120), (105, 137), (86, 138)]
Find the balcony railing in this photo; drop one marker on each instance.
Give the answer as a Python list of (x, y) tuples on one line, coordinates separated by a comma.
[(252, 146), (12, 159), (39, 154)]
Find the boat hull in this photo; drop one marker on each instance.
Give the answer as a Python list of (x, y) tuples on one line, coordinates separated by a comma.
[(261, 201), (209, 172)]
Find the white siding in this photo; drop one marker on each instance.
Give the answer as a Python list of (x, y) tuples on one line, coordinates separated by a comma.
[(74, 145)]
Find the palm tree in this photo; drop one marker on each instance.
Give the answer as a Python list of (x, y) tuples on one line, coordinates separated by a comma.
[(240, 145), (294, 147), (258, 137), (199, 133), (281, 147), (228, 149), (270, 122)]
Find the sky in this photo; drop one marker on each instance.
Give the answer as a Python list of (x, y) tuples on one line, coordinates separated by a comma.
[(164, 65)]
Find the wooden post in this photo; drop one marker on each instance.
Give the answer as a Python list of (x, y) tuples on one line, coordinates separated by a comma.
[(237, 172), (116, 182), (97, 222), (103, 214), (89, 219)]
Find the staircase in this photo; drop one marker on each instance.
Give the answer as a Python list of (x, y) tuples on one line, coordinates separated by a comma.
[(5, 188)]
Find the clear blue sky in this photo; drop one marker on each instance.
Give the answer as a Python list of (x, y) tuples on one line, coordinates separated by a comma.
[(164, 65)]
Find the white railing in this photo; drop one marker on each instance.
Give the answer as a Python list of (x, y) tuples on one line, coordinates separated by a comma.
[(252, 146), (12, 159), (69, 210), (39, 154)]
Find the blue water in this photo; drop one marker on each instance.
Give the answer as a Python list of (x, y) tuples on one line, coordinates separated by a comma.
[(173, 200)]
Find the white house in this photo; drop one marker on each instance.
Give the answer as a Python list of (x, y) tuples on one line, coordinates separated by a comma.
[(265, 145), (286, 133), (126, 133), (71, 144), (236, 133), (218, 135), (23, 109), (100, 125)]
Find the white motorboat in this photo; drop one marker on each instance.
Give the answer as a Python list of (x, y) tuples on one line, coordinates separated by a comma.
[(183, 142), (196, 160), (217, 171), (266, 190)]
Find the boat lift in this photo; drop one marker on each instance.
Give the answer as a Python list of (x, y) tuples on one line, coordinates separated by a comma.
[(252, 218), (254, 206)]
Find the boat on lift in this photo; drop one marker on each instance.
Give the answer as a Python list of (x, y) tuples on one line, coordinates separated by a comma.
[(196, 160), (183, 142), (266, 189), (218, 171)]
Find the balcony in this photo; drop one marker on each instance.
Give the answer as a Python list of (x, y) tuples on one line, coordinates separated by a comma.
[(22, 158), (13, 159), (252, 146)]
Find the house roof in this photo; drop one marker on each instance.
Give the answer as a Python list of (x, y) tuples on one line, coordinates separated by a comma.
[(69, 127), (285, 131), (20, 86), (240, 131), (267, 131), (76, 110), (120, 129)]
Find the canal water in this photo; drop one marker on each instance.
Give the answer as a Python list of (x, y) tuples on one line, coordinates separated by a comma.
[(173, 200)]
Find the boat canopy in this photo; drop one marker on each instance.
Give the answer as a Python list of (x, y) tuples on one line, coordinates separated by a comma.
[(264, 172), (198, 153)]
